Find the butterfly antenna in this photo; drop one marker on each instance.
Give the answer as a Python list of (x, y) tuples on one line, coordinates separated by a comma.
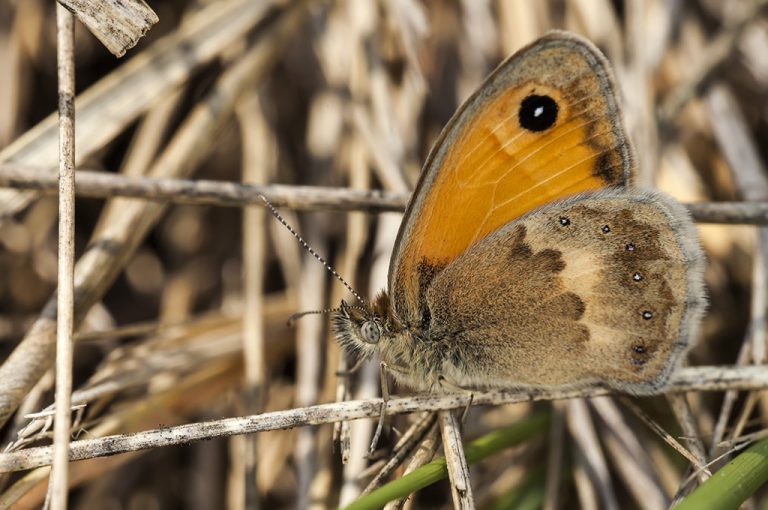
[(314, 254), (298, 315)]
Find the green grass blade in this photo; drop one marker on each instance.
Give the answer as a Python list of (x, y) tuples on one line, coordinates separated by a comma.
[(730, 486), (475, 451)]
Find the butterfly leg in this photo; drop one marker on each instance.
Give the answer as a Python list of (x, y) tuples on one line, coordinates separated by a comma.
[(446, 384), (383, 369), (383, 412), (346, 373)]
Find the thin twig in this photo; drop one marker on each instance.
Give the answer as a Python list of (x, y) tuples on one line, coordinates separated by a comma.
[(671, 441), (682, 411), (203, 192), (732, 213), (742, 421), (231, 194), (729, 401), (740, 442), (65, 40), (687, 379)]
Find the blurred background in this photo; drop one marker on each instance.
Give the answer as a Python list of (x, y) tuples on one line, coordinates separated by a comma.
[(186, 319)]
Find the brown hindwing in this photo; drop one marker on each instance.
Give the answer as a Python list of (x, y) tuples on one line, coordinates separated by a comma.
[(602, 287)]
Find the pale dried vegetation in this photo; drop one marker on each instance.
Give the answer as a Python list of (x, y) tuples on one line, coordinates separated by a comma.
[(182, 296)]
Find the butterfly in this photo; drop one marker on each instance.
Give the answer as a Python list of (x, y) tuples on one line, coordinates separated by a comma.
[(525, 259)]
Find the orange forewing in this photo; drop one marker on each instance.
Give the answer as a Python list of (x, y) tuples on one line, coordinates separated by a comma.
[(487, 170)]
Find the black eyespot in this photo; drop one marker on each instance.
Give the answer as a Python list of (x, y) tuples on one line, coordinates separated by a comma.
[(640, 357), (606, 229), (630, 247), (647, 315), (637, 277), (537, 113), (564, 221)]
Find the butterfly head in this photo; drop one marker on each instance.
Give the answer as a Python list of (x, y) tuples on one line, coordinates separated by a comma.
[(360, 329)]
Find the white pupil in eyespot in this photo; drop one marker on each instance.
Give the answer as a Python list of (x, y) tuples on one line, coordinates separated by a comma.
[(538, 111)]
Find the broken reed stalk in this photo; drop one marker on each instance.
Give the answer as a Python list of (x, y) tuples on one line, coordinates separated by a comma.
[(118, 24)]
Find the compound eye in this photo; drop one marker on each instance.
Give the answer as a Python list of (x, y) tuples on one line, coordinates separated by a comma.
[(370, 332)]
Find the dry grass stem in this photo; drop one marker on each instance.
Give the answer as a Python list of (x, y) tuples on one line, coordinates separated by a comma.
[(458, 470), (59, 483), (632, 461), (581, 427), (555, 456), (205, 192), (258, 164)]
